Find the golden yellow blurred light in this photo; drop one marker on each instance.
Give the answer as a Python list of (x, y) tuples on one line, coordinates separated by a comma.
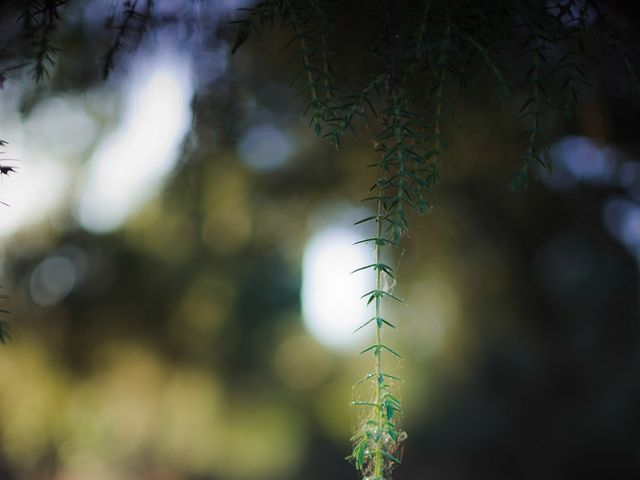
[(263, 440), (138, 406), (162, 231), (203, 309), (301, 363), (31, 399), (433, 310), (190, 434), (227, 226)]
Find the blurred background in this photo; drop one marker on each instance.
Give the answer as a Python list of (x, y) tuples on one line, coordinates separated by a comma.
[(176, 247)]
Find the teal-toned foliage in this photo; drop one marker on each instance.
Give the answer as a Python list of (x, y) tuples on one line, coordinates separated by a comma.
[(425, 53)]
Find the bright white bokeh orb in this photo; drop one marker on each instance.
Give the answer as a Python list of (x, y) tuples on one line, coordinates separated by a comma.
[(331, 303), (129, 166)]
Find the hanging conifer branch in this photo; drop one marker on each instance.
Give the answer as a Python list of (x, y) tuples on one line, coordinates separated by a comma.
[(324, 50), (354, 106), (572, 63), (503, 87), (433, 43), (40, 19), (377, 440), (129, 31), (419, 43), (533, 109), (401, 180), (618, 47), (437, 93), (309, 70), (309, 27)]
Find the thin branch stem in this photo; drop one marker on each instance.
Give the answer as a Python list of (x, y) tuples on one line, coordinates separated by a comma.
[(378, 459)]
